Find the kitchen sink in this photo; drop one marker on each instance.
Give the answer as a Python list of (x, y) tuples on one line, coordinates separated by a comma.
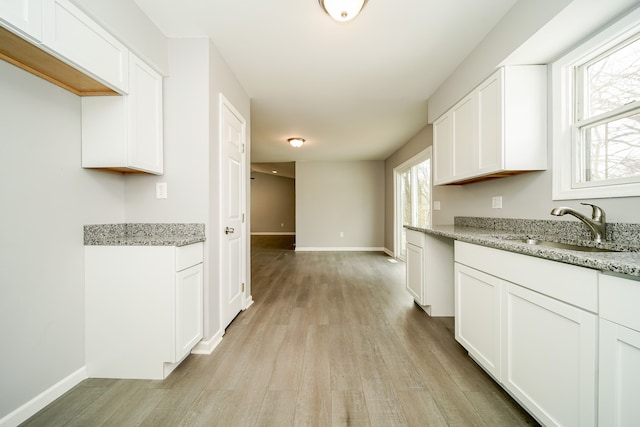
[(558, 245)]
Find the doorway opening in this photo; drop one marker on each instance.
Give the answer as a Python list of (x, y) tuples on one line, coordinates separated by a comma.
[(273, 205)]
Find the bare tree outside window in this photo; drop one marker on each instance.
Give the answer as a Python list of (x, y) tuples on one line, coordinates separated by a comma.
[(610, 129)]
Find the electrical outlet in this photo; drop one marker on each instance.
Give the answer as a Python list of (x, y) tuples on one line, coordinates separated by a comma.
[(496, 202), (161, 190), (342, 234), (282, 224), (436, 205)]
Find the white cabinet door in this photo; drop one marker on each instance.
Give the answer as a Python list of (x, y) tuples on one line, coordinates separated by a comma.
[(145, 117), (125, 133), (23, 17), (415, 272), (477, 314), (189, 306), (76, 39), (619, 385), (443, 150), (549, 357), (464, 138), (490, 130)]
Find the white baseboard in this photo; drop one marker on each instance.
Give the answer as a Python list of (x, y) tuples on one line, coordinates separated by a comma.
[(273, 233), (207, 347), (338, 249), (30, 408), (389, 252), (248, 302)]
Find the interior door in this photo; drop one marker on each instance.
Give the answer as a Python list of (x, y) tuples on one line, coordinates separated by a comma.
[(233, 259)]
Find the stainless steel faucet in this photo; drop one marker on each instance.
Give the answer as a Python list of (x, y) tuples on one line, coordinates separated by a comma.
[(596, 223)]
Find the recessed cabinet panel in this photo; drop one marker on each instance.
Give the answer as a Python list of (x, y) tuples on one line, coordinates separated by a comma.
[(145, 112), (478, 310), (490, 154), (619, 375), (23, 17), (443, 150), (464, 137), (77, 39), (188, 310), (415, 274), (550, 357), (125, 133)]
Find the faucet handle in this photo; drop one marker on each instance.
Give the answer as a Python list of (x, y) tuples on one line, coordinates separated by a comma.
[(597, 213)]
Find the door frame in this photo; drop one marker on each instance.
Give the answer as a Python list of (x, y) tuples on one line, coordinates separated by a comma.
[(244, 261), (397, 208)]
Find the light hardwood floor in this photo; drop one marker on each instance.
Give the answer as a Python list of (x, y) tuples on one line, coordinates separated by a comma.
[(332, 339)]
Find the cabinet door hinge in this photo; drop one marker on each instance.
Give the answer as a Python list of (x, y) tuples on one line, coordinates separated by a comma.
[(242, 287), (243, 218), (242, 148)]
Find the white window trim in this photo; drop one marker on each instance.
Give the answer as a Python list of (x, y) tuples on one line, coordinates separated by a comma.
[(413, 161), (564, 163)]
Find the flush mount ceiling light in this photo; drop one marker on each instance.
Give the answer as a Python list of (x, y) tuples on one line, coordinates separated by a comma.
[(296, 142), (342, 10)]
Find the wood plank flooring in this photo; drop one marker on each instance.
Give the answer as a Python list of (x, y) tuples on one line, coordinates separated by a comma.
[(332, 339)]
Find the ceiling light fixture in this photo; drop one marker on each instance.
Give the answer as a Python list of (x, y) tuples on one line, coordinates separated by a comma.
[(296, 142), (342, 10)]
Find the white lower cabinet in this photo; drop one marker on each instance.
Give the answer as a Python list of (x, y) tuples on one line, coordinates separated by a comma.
[(478, 311), (619, 352), (429, 276), (144, 309), (549, 355), (538, 337)]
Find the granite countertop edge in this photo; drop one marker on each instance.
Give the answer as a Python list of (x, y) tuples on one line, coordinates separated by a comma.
[(144, 234), (626, 262)]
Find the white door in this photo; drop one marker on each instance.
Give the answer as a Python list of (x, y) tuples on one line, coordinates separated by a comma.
[(232, 204)]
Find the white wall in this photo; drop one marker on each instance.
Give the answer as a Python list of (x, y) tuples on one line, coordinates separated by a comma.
[(334, 197), (273, 204), (45, 198)]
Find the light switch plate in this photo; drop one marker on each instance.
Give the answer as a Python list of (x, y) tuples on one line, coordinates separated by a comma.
[(496, 202), (436, 205), (161, 190)]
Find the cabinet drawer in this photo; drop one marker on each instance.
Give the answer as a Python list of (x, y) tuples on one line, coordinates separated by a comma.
[(575, 285), (189, 255), (619, 298), (416, 238)]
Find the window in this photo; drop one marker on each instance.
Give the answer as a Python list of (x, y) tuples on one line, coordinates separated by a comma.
[(413, 197), (596, 90)]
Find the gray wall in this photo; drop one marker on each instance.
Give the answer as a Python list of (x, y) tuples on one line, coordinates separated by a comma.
[(334, 197), (45, 198), (273, 204)]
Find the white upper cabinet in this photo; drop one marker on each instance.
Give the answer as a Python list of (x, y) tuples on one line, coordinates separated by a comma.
[(78, 40), (499, 129), (23, 17), (125, 133)]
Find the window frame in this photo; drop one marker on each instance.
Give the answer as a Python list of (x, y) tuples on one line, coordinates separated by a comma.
[(566, 141), (426, 154)]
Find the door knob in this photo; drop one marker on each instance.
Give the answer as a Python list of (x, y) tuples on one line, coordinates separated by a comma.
[(229, 230)]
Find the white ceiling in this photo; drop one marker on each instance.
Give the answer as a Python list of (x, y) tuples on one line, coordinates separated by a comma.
[(354, 91)]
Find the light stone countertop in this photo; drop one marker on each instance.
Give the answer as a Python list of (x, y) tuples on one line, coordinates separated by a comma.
[(143, 234), (625, 262)]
